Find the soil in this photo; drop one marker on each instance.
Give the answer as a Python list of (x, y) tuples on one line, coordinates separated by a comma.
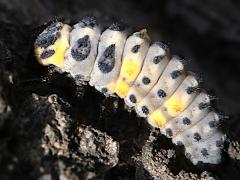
[(55, 127)]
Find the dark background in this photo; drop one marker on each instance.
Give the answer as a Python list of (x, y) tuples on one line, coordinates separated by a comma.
[(205, 33)]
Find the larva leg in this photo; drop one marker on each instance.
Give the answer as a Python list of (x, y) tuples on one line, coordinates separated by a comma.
[(51, 45), (197, 110), (134, 53), (163, 89), (173, 106), (154, 64), (108, 62), (81, 55)]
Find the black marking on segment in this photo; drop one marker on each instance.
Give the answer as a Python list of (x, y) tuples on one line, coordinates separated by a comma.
[(213, 124), (135, 48), (175, 74), (145, 110), (197, 137), (116, 27), (202, 105), (104, 90), (186, 121), (53, 28), (191, 89), (107, 61), (47, 53), (146, 80), (204, 152), (169, 132), (133, 98), (162, 45), (88, 22), (157, 59), (46, 39), (81, 49), (161, 93)]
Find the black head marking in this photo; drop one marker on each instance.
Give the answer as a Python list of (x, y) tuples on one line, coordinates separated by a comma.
[(135, 48), (169, 132), (81, 49), (116, 27), (191, 89), (146, 80), (157, 59), (202, 105), (106, 62), (88, 22), (133, 98), (161, 93), (186, 121), (175, 74), (213, 124), (47, 53), (145, 110), (196, 136), (204, 152)]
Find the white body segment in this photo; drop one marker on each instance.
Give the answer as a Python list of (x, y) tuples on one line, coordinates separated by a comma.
[(81, 55), (135, 50), (208, 151), (108, 62), (154, 64), (197, 110), (201, 131), (163, 89)]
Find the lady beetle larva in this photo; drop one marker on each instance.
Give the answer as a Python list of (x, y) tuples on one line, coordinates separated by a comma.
[(144, 74)]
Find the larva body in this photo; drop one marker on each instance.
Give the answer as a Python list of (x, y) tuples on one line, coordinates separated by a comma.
[(144, 75)]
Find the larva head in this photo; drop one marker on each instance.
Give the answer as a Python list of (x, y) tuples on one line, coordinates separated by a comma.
[(51, 44)]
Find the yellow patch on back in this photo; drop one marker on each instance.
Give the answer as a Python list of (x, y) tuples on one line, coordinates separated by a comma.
[(174, 105), (60, 46), (157, 118), (121, 88), (130, 70)]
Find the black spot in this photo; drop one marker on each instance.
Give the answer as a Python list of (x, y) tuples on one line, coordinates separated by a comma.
[(169, 132), (135, 48), (46, 39), (202, 105), (204, 152), (116, 27), (145, 110), (157, 59), (197, 136), (186, 121), (161, 93), (132, 98), (47, 53), (146, 80), (213, 124), (175, 74), (88, 22), (219, 143), (107, 61), (53, 28), (104, 90), (81, 49), (179, 143), (191, 89), (188, 155)]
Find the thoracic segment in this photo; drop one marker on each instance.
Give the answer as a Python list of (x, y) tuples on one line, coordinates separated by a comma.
[(156, 85)]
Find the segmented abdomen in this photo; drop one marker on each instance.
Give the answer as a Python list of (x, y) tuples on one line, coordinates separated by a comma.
[(144, 75)]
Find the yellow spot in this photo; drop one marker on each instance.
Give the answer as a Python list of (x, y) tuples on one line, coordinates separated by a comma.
[(60, 46), (174, 105), (157, 118), (130, 70), (121, 88)]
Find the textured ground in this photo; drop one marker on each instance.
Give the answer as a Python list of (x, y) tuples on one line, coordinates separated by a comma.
[(55, 129)]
